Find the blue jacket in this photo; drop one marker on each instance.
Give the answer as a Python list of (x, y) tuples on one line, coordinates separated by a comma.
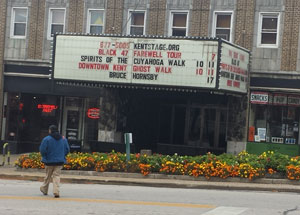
[(54, 149)]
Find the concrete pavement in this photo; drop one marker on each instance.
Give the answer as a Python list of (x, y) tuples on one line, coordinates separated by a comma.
[(154, 180)]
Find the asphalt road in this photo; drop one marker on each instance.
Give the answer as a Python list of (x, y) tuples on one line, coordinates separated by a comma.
[(24, 197)]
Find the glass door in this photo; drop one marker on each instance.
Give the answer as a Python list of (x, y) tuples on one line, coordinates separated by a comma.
[(72, 121), (207, 127)]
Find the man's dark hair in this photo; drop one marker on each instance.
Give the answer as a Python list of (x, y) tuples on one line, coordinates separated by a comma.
[(53, 129)]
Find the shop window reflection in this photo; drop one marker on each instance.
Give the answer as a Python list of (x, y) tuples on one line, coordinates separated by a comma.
[(223, 129), (12, 116), (280, 123), (209, 127), (165, 117), (283, 123), (275, 122), (179, 125), (195, 127), (202, 130), (27, 122)]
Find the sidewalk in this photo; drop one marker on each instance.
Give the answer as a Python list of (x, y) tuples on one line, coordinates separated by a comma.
[(152, 180)]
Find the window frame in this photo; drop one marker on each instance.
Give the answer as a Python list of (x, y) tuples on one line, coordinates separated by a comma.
[(12, 28), (171, 15), (50, 22), (214, 30), (88, 27), (129, 20), (259, 33)]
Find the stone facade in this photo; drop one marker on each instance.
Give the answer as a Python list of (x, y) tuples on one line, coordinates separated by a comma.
[(237, 117), (245, 15), (244, 23), (15, 49), (157, 13), (108, 112), (114, 17), (36, 29), (76, 12), (200, 18), (290, 38), (266, 62)]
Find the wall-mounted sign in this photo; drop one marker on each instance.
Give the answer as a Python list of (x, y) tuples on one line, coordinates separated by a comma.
[(259, 98), (279, 99), (151, 61), (93, 113), (261, 132), (46, 108), (283, 99), (72, 134), (294, 100)]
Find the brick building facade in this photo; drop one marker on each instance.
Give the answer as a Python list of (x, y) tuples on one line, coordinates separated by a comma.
[(269, 29), (3, 7)]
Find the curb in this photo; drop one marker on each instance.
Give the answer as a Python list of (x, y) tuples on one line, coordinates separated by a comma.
[(169, 177), (156, 180), (173, 183)]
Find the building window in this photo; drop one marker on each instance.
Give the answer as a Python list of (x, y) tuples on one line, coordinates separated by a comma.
[(178, 25), (19, 22), (56, 22), (223, 25), (268, 30), (137, 23), (95, 22)]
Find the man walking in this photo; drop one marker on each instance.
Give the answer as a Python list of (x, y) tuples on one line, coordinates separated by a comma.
[(54, 149)]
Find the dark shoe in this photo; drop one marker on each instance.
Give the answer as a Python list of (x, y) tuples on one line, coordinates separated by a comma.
[(56, 195), (43, 192)]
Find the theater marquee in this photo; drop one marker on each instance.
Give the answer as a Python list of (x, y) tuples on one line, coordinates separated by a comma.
[(148, 61)]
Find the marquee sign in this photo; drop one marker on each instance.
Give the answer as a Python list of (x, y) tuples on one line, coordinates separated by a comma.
[(233, 69), (149, 61)]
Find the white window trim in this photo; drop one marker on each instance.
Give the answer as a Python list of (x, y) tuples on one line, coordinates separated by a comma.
[(89, 20), (216, 13), (50, 22), (13, 23), (171, 21), (129, 20), (260, 18)]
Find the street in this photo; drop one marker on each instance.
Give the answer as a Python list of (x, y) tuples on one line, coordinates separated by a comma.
[(24, 197)]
